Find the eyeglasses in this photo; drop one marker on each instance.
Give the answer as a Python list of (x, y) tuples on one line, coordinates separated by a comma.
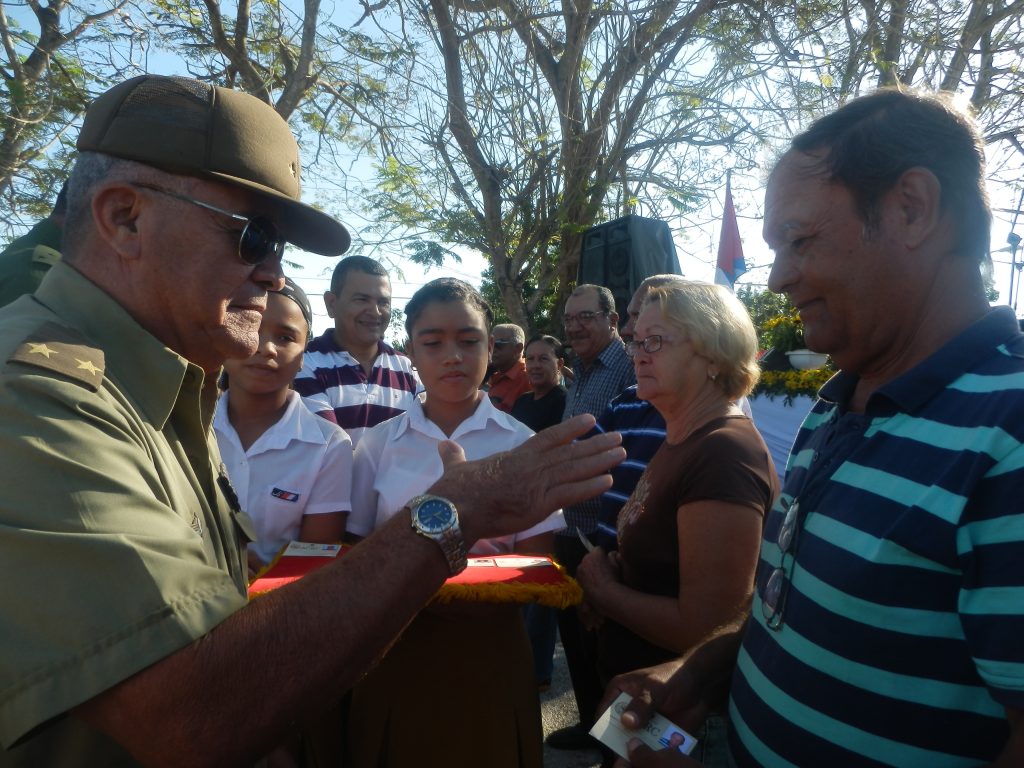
[(258, 241), (583, 318), (773, 601), (650, 344), (503, 342)]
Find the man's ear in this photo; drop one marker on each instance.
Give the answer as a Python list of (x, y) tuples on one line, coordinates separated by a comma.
[(116, 209), (613, 318), (329, 299), (918, 195)]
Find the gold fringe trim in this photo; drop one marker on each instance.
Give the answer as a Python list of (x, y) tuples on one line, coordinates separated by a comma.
[(563, 595)]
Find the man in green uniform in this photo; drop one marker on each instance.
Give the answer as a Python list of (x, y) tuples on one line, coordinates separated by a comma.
[(26, 260), (125, 633)]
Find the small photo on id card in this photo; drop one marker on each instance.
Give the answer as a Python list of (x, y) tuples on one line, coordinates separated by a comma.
[(659, 733)]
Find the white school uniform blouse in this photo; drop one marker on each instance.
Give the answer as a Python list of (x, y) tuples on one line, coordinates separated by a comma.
[(397, 460), (300, 466)]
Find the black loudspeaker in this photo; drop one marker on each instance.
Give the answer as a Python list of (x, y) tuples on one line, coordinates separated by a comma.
[(621, 254)]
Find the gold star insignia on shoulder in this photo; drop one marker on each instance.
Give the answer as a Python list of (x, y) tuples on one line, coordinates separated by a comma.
[(41, 349), (87, 365), (59, 349)]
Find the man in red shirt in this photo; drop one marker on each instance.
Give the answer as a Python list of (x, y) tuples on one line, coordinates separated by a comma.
[(509, 379)]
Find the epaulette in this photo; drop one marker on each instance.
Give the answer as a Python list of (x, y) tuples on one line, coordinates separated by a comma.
[(63, 350)]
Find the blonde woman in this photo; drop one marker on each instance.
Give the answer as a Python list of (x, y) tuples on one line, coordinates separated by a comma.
[(689, 535)]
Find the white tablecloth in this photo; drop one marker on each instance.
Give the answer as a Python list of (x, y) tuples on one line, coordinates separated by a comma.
[(778, 424)]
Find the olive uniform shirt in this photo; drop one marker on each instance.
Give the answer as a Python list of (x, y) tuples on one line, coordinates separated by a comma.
[(25, 262), (118, 544)]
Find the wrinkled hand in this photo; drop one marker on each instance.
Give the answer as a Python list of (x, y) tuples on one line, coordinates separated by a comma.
[(511, 491), (667, 688), (642, 756), (596, 573)]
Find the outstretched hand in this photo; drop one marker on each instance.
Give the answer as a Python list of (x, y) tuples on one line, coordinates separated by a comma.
[(511, 491)]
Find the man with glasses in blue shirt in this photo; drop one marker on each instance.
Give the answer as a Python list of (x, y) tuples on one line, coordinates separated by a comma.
[(888, 606), (602, 371)]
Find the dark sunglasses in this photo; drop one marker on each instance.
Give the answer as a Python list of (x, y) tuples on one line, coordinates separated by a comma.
[(258, 241)]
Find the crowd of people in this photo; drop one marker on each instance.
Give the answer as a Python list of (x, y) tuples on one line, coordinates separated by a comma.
[(169, 424)]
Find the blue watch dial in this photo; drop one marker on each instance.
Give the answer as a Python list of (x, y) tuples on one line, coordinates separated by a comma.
[(434, 515)]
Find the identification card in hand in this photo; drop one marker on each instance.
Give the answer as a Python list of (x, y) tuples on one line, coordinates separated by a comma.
[(659, 733)]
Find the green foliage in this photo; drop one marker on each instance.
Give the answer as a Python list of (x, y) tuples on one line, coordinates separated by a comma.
[(543, 320), (784, 332), (524, 127), (767, 311), (778, 326), (50, 73), (427, 252)]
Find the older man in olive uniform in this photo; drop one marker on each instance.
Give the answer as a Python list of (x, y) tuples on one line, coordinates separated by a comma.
[(125, 633)]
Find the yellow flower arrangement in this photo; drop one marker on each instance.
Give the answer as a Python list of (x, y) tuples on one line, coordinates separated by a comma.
[(790, 384), (784, 332)]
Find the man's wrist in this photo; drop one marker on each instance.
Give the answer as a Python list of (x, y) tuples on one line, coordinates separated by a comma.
[(437, 518)]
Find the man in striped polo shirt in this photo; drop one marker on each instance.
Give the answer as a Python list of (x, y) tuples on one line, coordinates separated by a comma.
[(349, 375), (888, 610)]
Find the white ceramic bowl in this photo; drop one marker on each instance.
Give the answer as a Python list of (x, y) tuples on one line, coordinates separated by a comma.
[(805, 360)]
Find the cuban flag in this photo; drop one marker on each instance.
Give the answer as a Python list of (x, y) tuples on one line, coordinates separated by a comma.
[(730, 249)]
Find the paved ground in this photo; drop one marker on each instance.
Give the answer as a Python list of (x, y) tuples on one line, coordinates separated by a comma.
[(558, 709)]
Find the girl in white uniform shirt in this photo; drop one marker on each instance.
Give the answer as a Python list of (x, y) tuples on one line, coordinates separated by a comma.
[(291, 469), (466, 664)]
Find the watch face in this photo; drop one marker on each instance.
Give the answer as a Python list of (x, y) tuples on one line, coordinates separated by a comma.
[(434, 515)]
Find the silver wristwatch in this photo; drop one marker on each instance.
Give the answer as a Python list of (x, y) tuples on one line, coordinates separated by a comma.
[(437, 519)]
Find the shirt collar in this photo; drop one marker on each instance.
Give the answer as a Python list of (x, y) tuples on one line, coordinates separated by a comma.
[(328, 342), (485, 414), (293, 424), (151, 373), (515, 371), (607, 356), (959, 355)]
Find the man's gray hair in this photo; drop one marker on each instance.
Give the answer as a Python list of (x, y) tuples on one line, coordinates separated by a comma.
[(517, 333), (89, 170)]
